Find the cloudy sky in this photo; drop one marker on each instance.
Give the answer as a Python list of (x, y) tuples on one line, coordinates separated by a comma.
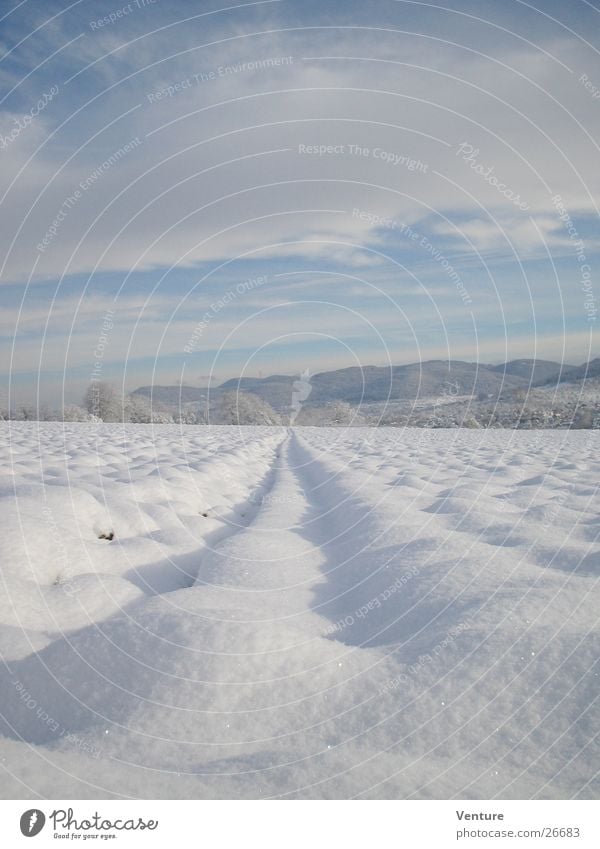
[(192, 192)]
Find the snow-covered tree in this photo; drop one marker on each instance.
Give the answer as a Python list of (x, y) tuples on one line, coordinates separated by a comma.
[(162, 417), (140, 410), (24, 413), (243, 408), (343, 414), (190, 416), (583, 418), (102, 401), (137, 410), (337, 414), (74, 413)]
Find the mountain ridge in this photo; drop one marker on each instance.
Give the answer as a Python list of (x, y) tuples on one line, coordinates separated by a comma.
[(371, 384)]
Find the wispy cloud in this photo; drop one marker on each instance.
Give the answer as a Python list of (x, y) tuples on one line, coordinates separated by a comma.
[(182, 141)]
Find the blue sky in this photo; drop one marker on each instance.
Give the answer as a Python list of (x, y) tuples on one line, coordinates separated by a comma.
[(293, 186)]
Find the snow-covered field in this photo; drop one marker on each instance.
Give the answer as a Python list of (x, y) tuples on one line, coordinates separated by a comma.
[(302, 614)]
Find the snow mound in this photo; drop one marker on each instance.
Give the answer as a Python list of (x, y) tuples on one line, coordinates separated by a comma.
[(261, 612)]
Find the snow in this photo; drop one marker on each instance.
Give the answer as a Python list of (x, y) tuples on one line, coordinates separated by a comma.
[(298, 613)]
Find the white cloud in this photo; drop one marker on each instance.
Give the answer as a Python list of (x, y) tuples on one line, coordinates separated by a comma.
[(219, 174), (182, 198)]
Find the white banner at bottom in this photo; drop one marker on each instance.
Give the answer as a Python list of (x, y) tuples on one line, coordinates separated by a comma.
[(302, 824)]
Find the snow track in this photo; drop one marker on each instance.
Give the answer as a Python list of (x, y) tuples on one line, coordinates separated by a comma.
[(333, 614)]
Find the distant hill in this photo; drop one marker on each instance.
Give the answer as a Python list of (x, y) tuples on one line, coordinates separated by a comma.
[(276, 390), (373, 384), (416, 380), (571, 374), (172, 395), (533, 371)]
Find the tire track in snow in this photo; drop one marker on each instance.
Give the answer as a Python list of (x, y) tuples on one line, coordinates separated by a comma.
[(180, 572), (267, 571)]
